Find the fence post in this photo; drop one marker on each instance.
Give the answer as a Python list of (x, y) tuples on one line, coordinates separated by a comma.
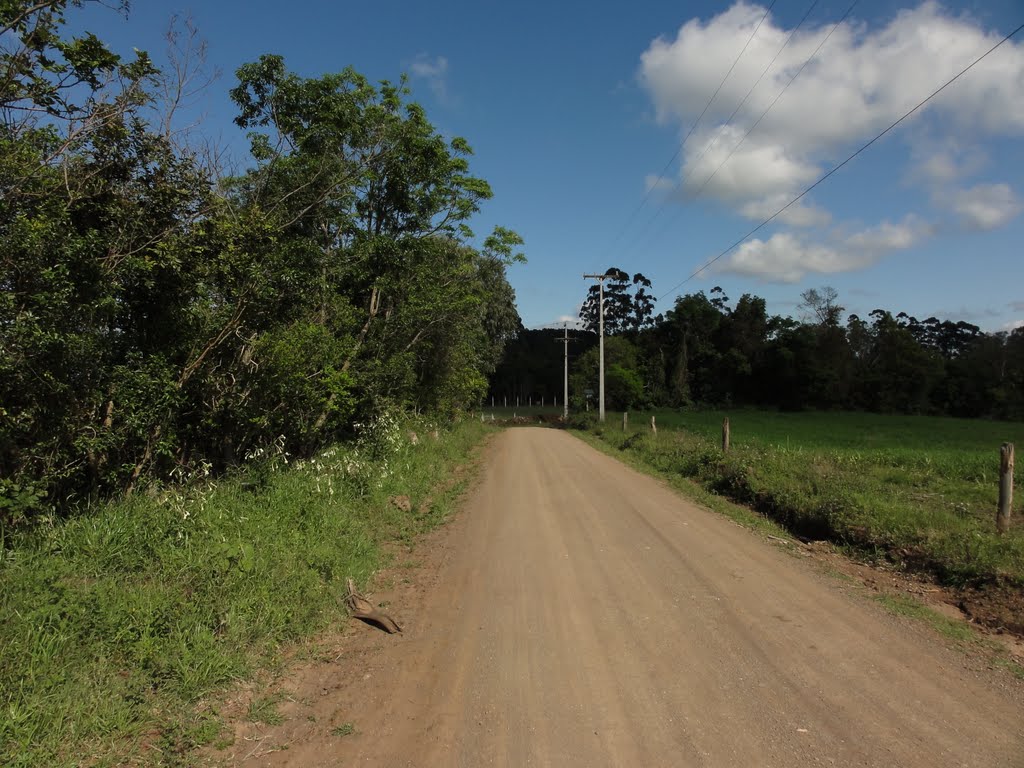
[(625, 420), (654, 427), (725, 435), (1005, 487)]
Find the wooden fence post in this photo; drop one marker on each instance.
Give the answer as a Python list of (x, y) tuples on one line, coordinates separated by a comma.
[(1005, 487), (654, 427), (725, 435), (625, 420)]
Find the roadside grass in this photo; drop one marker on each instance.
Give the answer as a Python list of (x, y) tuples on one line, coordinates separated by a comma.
[(920, 492), (115, 624), (345, 729), (952, 629), (1012, 666), (264, 709)]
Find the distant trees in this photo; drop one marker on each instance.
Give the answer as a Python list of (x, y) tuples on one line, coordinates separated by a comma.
[(627, 304), (155, 318), (624, 387), (707, 351)]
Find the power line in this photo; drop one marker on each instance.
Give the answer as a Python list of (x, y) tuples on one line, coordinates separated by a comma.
[(693, 127), (683, 180), (785, 88), (770, 63), (796, 199)]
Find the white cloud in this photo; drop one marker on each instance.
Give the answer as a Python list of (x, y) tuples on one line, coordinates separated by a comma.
[(798, 215), (940, 167), (434, 72), (572, 322), (889, 237), (1013, 325), (655, 182), (937, 164), (786, 257), (987, 206), (966, 314), (861, 81)]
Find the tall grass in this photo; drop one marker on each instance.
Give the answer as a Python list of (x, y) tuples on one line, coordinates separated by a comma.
[(113, 624), (919, 491)]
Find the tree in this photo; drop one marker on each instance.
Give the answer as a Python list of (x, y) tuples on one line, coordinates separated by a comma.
[(623, 385), (692, 327), (823, 305), (623, 310), (94, 293), (897, 374), (150, 320)]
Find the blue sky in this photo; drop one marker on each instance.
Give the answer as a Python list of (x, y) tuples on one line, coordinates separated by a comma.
[(575, 109)]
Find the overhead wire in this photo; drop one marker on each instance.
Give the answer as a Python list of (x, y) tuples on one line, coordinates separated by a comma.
[(774, 101), (685, 176), (837, 167), (757, 82), (693, 127)]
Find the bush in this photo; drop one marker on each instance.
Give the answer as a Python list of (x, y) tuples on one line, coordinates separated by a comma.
[(113, 622)]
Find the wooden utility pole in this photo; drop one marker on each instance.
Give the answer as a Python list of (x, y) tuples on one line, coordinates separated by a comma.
[(1005, 488), (600, 325), (565, 377), (725, 435)]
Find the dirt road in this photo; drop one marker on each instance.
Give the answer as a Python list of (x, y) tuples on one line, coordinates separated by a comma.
[(585, 615)]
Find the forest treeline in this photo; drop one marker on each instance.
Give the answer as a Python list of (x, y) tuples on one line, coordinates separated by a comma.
[(709, 351), (160, 315)]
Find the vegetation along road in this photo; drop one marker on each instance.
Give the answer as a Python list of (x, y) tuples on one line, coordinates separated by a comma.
[(586, 615)]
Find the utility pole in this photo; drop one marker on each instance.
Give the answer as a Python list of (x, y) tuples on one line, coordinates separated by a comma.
[(600, 387), (565, 340)]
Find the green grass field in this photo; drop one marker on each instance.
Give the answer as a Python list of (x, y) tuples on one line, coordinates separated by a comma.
[(115, 624), (919, 491)]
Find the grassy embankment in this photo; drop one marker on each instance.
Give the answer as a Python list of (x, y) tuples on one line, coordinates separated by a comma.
[(114, 624), (919, 491)]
